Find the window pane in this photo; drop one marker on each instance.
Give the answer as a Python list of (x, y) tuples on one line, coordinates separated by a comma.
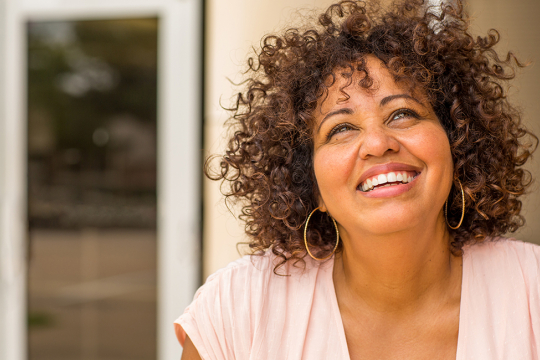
[(92, 189)]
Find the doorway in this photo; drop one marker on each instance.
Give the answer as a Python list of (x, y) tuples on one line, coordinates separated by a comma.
[(92, 111), (97, 195)]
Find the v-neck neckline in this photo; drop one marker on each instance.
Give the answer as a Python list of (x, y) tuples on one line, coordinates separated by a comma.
[(462, 308)]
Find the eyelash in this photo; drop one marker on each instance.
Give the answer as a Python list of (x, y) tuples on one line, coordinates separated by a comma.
[(337, 129), (406, 112)]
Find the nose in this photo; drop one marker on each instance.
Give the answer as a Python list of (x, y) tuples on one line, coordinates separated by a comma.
[(377, 142)]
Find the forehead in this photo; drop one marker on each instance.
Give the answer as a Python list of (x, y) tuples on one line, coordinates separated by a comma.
[(368, 78)]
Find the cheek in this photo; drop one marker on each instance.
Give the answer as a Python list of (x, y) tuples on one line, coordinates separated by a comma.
[(440, 147), (334, 165), (432, 146), (441, 168)]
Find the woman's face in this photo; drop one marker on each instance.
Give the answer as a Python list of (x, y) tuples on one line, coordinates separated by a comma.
[(381, 158)]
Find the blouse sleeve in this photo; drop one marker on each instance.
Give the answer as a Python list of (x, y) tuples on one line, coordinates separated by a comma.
[(218, 321), (202, 322)]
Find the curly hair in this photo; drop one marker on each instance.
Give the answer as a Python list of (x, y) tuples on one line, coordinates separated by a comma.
[(268, 164)]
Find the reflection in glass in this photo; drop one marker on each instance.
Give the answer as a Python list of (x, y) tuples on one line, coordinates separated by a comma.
[(92, 189)]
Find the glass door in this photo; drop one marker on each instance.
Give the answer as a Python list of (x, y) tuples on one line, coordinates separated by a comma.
[(92, 110), (99, 176)]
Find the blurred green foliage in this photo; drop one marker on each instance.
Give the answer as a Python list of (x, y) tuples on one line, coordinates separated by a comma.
[(85, 72), (92, 111), (40, 319)]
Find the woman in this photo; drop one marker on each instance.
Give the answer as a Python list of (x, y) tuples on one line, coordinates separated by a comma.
[(378, 162)]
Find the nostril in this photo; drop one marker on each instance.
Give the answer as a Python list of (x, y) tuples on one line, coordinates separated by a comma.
[(378, 143)]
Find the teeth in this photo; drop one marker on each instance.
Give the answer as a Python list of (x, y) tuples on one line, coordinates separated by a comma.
[(390, 179)]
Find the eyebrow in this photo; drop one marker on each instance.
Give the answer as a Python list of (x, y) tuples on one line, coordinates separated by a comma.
[(384, 101), (347, 111), (387, 99)]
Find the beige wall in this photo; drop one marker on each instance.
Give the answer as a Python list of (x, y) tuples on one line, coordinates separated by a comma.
[(233, 26), (518, 24)]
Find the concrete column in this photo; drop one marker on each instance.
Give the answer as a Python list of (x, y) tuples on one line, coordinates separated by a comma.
[(233, 27), (12, 245)]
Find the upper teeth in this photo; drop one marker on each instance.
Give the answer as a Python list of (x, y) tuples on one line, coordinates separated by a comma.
[(391, 177)]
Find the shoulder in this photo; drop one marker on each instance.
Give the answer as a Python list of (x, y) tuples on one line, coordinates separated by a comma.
[(221, 303), (500, 296), (256, 273), (499, 261), (229, 285), (493, 250), (234, 300), (252, 274)]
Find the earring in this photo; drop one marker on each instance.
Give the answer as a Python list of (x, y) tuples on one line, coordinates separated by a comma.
[(305, 237), (462, 209)]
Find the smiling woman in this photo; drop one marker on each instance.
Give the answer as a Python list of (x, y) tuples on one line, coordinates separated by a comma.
[(379, 163), (372, 136)]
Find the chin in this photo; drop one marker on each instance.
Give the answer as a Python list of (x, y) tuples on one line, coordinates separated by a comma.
[(394, 224)]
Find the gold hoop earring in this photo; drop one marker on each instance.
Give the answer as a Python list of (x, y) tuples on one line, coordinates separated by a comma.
[(305, 237), (462, 209)]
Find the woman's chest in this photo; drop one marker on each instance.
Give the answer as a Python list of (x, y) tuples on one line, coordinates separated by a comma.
[(426, 337)]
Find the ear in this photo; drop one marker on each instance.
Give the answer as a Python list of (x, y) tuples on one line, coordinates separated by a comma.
[(320, 203), (322, 206)]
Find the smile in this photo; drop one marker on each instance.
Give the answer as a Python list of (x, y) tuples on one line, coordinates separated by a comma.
[(391, 178)]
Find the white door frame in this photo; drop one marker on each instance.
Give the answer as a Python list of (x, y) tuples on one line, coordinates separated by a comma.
[(179, 129)]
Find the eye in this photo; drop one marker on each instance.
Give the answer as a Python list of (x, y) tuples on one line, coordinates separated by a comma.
[(403, 114), (339, 129)]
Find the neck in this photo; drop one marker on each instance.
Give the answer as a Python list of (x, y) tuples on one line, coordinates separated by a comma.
[(397, 273)]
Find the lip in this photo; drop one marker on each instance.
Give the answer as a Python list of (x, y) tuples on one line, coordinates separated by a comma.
[(390, 191), (386, 168)]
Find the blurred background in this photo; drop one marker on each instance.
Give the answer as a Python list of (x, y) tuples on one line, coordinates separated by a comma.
[(108, 109), (92, 110)]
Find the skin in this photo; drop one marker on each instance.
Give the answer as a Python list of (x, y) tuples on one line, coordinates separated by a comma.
[(190, 352), (398, 285)]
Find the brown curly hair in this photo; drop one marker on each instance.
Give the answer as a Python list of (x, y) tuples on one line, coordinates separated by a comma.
[(268, 164)]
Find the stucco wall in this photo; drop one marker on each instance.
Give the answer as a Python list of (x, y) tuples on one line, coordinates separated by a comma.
[(518, 24), (232, 28), (3, 300)]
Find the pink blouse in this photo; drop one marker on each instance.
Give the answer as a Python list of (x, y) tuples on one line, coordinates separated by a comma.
[(245, 311)]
